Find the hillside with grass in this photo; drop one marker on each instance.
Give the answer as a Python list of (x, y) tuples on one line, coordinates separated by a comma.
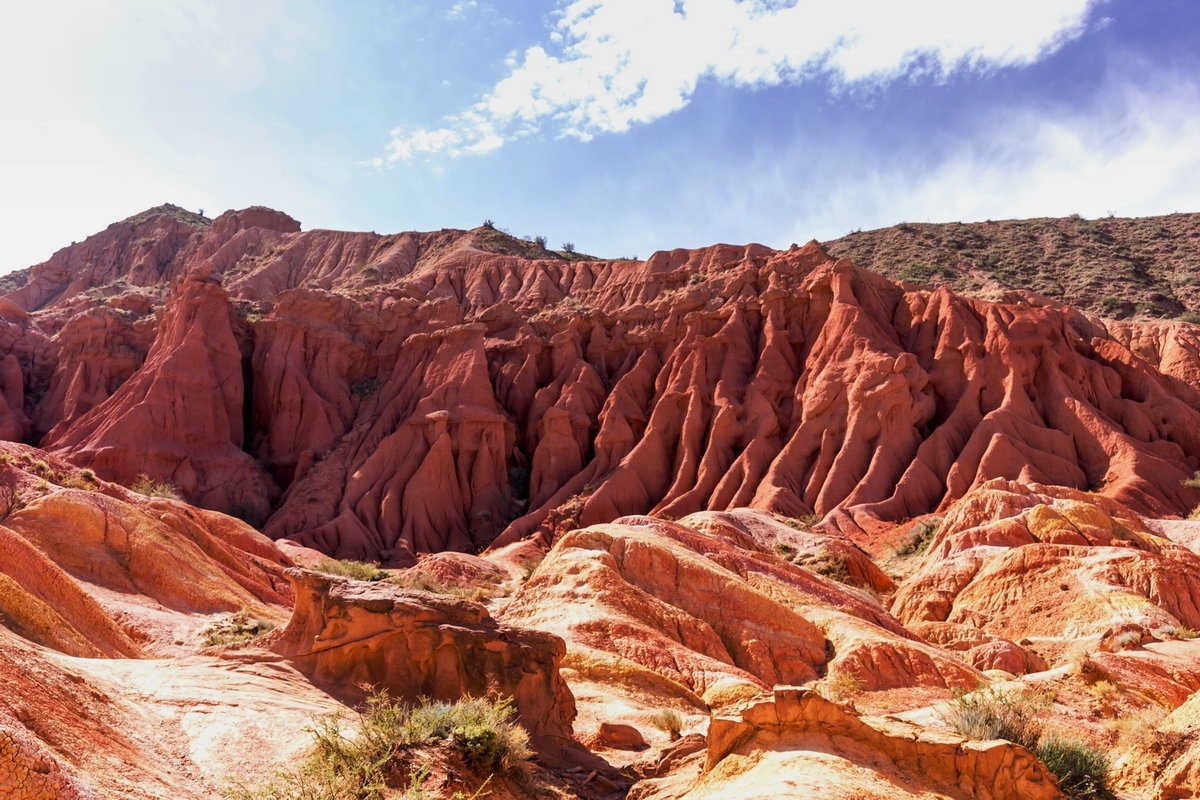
[(1114, 267)]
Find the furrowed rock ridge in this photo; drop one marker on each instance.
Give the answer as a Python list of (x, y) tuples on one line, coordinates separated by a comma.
[(377, 397)]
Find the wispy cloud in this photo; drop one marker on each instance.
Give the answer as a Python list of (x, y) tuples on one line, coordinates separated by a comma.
[(462, 8), (607, 65), (1132, 153)]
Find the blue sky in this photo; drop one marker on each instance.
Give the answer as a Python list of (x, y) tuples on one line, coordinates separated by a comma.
[(623, 126)]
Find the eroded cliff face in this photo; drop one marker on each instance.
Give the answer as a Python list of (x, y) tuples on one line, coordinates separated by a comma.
[(785, 648), (421, 392)]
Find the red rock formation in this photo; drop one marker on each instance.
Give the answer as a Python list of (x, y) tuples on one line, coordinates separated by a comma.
[(416, 644), (1063, 569), (829, 747), (705, 612), (92, 570), (525, 394), (94, 579), (180, 417)]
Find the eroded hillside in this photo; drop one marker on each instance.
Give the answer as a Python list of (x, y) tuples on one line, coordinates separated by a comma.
[(381, 396), (1115, 267), (730, 522)]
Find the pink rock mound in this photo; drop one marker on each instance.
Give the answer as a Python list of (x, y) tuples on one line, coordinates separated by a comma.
[(797, 744), (1023, 577), (702, 612), (93, 570)]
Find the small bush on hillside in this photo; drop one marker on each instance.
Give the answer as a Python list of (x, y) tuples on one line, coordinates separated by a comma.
[(919, 537), (991, 714), (363, 765), (1082, 771), (669, 721), (423, 582), (11, 501), (924, 273), (359, 570), (236, 627), (1192, 482), (840, 687), (784, 550), (1178, 632), (146, 485), (85, 480)]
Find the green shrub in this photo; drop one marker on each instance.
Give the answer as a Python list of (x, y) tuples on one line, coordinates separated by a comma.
[(362, 766), (784, 550), (86, 479), (920, 536), (1113, 307), (924, 273), (423, 582), (992, 714), (1178, 632), (840, 687), (359, 570), (1082, 770)]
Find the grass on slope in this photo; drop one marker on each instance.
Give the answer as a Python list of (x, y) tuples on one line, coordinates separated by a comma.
[(1113, 267), (382, 754)]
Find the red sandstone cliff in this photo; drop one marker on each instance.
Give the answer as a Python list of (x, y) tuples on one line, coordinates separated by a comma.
[(419, 392)]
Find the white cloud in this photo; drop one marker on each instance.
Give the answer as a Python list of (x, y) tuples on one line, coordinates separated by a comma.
[(1134, 153), (461, 9), (610, 64)]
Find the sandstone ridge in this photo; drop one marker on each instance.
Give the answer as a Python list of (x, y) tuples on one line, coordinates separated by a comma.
[(364, 375)]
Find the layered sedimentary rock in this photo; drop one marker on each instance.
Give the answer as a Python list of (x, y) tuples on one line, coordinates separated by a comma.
[(706, 611), (797, 744), (1019, 561), (366, 375), (93, 570), (104, 595)]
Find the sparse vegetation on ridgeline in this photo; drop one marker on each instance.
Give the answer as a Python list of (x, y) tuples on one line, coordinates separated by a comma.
[(358, 570), (146, 485), (1113, 267), (240, 626)]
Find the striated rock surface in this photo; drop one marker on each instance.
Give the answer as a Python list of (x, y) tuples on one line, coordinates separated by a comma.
[(104, 594), (797, 744), (704, 612), (1022, 562), (365, 375), (748, 470), (179, 418), (93, 570)]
